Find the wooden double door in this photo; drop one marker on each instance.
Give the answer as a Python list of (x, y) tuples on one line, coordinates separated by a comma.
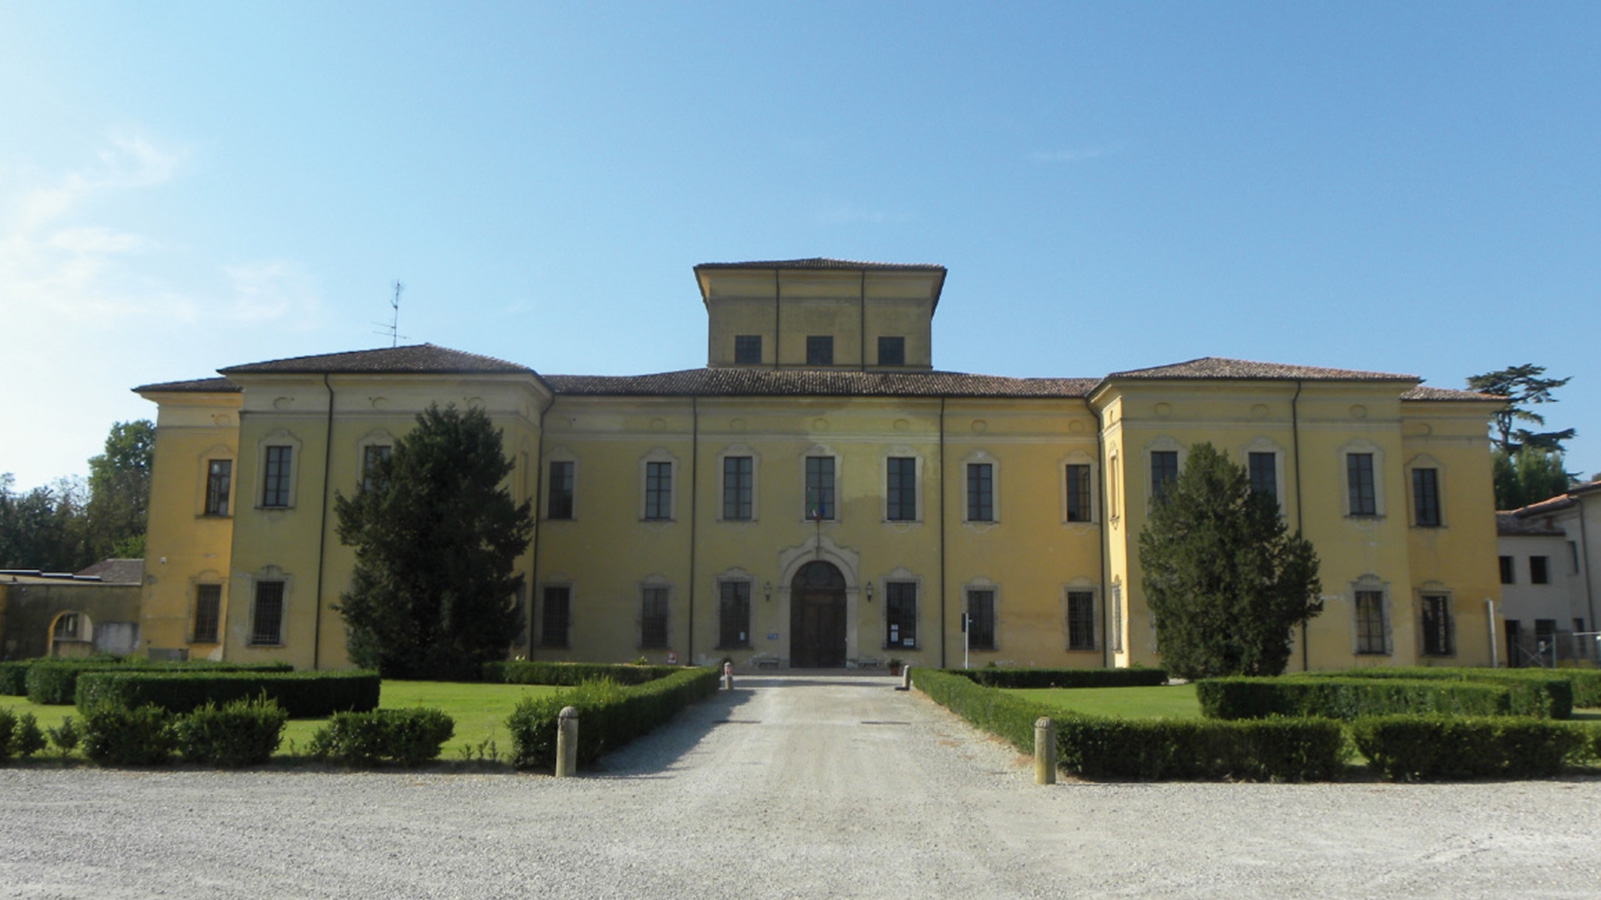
[(817, 617)]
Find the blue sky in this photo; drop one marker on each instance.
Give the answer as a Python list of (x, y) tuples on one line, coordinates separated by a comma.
[(1406, 188)]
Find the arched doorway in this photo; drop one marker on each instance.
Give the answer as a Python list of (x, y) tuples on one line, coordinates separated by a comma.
[(817, 617)]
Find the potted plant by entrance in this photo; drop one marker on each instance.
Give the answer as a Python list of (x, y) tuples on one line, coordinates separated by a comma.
[(894, 666)]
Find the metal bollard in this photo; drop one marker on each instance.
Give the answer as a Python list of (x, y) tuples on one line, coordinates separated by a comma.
[(567, 743), (1044, 750), (906, 679), (728, 676)]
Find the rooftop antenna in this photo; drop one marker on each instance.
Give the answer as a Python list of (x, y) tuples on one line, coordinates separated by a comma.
[(392, 327)]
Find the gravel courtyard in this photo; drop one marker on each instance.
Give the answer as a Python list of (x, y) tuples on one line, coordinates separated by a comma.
[(791, 786)]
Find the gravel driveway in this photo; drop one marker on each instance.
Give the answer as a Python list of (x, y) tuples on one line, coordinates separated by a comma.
[(791, 786)]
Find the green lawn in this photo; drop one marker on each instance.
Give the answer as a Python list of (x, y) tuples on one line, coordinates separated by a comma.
[(1163, 702), (480, 711)]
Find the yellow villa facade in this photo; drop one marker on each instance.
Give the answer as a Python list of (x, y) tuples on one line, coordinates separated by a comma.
[(819, 495)]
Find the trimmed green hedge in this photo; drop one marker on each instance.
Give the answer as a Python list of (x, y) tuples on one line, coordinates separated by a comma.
[(1156, 749), (1006, 716), (243, 732), (125, 736), (303, 695), (524, 671), (1454, 747), (1348, 698), (1065, 678), (54, 682), (1586, 682), (408, 737), (1099, 746), (610, 715), (14, 677)]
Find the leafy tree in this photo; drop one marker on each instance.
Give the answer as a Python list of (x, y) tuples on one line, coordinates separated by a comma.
[(436, 538), (1225, 579), (1527, 476), (43, 528), (1522, 386), (119, 492)]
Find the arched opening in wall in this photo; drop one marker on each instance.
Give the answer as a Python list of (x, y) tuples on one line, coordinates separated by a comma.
[(71, 635), (817, 617)]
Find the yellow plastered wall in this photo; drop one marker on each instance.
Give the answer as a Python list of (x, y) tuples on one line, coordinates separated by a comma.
[(184, 547), (854, 308)]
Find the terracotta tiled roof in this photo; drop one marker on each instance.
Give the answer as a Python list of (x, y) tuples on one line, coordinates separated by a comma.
[(423, 358), (116, 571), (819, 262), (740, 382), (1514, 524), (1561, 501), (1424, 392), (197, 386), (1213, 367)]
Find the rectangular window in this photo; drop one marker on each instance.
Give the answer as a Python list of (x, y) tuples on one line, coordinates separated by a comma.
[(1539, 570), (219, 478), (819, 350), (275, 477), (371, 456), (658, 490), (555, 617), (900, 615), (268, 626), (1265, 475), (1080, 620), (901, 493), (1507, 571), (1078, 493), (820, 488), (737, 482), (892, 351), (653, 618), (1370, 622), (1164, 472), (733, 615), (208, 609), (1426, 497), (1359, 483), (1573, 559), (980, 492), (981, 619), (1437, 637), (748, 349), (561, 491)]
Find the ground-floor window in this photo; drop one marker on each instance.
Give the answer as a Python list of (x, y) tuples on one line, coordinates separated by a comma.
[(267, 626), (1437, 631), (208, 610), (555, 616), (900, 614), (1370, 637), (653, 618), (1080, 620), (733, 619), (981, 619)]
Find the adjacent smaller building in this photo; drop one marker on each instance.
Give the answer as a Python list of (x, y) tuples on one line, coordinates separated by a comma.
[(50, 614), (1548, 581)]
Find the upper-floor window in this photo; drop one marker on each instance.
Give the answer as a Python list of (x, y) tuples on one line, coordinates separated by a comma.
[(1264, 474), (748, 349), (1361, 488), (980, 492), (819, 350), (738, 484), (1426, 497), (1164, 472), (820, 488), (560, 505), (371, 456), (901, 489), (658, 490), (892, 351), (219, 480), (1507, 571), (1539, 570), (275, 476), (1078, 493)]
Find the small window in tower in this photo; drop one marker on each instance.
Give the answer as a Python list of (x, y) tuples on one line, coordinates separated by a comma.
[(892, 351), (819, 350), (748, 349)]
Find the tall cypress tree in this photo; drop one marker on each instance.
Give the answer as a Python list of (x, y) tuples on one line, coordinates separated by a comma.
[(434, 594), (1224, 577)]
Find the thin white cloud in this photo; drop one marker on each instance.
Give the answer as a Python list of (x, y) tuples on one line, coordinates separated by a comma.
[(1078, 154), (59, 267)]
